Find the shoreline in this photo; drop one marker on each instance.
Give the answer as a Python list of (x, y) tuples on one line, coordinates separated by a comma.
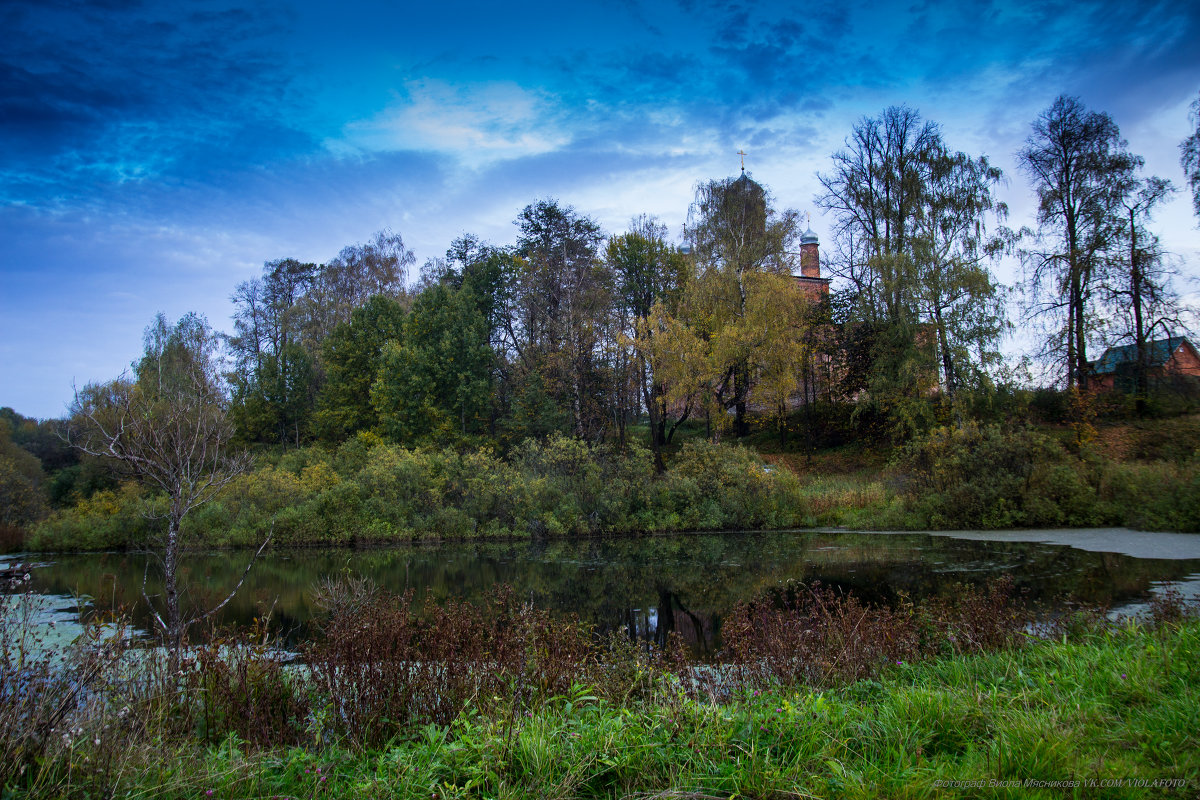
[(1168, 545)]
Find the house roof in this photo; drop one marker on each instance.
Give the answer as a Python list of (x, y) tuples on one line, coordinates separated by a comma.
[(1160, 352)]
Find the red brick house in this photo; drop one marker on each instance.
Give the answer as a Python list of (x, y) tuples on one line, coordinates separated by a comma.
[(1175, 357)]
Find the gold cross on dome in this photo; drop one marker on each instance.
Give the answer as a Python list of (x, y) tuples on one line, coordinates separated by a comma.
[(743, 154)]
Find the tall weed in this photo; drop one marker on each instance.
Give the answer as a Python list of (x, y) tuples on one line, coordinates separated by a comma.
[(814, 636)]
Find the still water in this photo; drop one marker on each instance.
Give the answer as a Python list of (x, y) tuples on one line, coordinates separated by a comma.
[(649, 586)]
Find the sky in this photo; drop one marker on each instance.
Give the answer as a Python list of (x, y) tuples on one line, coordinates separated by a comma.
[(153, 155)]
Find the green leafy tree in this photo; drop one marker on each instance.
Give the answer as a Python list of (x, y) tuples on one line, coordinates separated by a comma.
[(736, 237), (43, 439), (275, 374), (560, 297), (281, 321), (876, 192), (22, 493), (358, 273), (492, 277), (647, 270), (955, 291), (434, 383), (921, 307), (353, 355), (48, 462), (1138, 285)]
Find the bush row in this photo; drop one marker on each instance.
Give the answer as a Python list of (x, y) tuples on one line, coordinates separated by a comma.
[(369, 491), (987, 476)]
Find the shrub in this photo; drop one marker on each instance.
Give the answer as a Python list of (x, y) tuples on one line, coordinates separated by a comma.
[(1167, 440), (737, 489), (1157, 496), (975, 476), (244, 513), (21, 500), (109, 519), (814, 636), (241, 685), (379, 667), (371, 491), (43, 684), (1049, 406), (573, 485)]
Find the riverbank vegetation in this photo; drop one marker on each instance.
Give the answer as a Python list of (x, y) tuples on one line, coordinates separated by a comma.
[(976, 476), (371, 492), (1140, 474), (1136, 473), (815, 693)]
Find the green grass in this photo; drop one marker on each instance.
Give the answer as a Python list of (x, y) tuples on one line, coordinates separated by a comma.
[(1117, 706), (845, 499)]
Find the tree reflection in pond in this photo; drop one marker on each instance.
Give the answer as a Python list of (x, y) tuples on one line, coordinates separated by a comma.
[(649, 587)]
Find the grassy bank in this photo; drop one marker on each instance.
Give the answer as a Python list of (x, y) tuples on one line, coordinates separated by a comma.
[(1113, 707), (1116, 713)]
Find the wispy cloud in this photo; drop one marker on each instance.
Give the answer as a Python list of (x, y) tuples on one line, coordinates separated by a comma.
[(476, 124)]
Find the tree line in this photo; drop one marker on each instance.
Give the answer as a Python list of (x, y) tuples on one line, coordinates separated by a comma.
[(572, 330)]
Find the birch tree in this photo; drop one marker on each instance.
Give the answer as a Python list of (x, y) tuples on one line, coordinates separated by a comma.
[(562, 293), (166, 426), (648, 271), (1138, 287), (955, 291), (1080, 170), (912, 250), (1189, 156)]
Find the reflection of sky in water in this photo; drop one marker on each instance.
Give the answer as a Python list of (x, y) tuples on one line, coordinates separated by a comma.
[(648, 586), (55, 616), (1188, 588)]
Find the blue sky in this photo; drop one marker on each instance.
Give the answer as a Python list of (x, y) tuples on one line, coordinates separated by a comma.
[(153, 155)]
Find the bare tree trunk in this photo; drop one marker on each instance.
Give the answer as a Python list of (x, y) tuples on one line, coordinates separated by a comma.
[(654, 411), (1139, 325), (741, 380), (947, 358), (1081, 363), (173, 437), (1074, 312), (174, 631)]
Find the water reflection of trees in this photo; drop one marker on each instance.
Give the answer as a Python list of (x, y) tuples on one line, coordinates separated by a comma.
[(649, 586)]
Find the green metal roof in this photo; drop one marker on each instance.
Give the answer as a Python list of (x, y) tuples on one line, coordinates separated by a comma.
[(1115, 357)]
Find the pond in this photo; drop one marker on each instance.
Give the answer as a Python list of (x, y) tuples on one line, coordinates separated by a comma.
[(647, 586)]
